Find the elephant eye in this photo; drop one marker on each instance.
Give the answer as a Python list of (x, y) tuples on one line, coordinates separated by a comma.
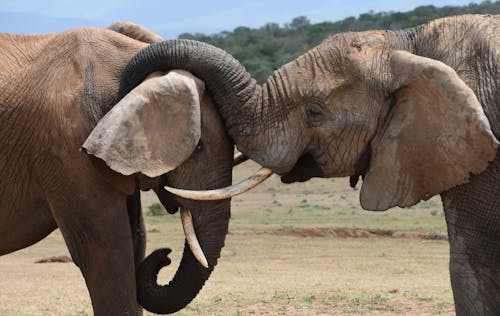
[(313, 113), (199, 147)]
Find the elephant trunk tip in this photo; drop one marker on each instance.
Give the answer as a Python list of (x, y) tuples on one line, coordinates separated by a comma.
[(179, 292)]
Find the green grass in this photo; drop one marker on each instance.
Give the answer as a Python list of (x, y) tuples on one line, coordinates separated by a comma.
[(323, 203), (314, 214)]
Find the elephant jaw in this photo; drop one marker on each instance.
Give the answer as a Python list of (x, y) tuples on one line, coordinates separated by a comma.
[(305, 169)]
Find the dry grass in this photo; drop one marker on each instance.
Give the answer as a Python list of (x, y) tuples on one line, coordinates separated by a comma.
[(273, 274)]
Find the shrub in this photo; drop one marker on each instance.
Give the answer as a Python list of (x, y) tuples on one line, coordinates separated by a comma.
[(155, 209)]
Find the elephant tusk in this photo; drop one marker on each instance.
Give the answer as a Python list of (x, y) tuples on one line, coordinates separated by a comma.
[(194, 245), (239, 158), (227, 192)]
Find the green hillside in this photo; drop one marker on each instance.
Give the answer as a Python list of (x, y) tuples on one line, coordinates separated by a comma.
[(265, 49)]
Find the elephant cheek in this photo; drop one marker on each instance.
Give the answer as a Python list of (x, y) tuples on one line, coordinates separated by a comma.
[(167, 200), (305, 169)]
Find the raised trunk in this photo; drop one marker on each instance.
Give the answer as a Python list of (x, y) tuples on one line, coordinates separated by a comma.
[(242, 103), (235, 92), (190, 276)]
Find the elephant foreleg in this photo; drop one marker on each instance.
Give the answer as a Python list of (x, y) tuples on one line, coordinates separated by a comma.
[(473, 218), (137, 227), (94, 221)]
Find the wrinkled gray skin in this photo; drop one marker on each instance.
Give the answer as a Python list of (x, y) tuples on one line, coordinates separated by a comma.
[(55, 90), (368, 104)]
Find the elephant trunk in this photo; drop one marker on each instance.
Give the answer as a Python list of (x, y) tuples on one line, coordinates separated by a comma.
[(250, 112), (190, 277), (235, 92), (246, 107)]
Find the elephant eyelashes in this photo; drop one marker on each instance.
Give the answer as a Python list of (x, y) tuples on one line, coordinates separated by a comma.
[(313, 111), (199, 147), (312, 114)]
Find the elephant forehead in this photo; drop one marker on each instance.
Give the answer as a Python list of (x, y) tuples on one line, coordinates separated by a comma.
[(348, 41), (368, 38)]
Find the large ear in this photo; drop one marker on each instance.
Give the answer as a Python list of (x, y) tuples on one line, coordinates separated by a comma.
[(136, 32), (153, 129), (436, 135)]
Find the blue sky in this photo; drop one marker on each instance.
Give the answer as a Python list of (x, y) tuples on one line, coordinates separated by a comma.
[(170, 18)]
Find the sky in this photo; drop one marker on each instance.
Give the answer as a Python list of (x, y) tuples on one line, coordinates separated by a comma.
[(171, 18)]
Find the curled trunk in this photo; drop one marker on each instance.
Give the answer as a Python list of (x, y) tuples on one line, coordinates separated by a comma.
[(211, 228), (245, 106), (169, 298), (236, 93)]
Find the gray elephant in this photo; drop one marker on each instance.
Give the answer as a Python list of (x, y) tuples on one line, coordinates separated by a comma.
[(414, 112), (56, 91)]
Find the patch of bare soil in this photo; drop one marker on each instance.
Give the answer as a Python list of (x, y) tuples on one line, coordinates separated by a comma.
[(344, 233), (391, 308), (54, 259)]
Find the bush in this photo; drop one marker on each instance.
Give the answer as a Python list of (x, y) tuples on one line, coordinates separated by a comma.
[(263, 50), (156, 209)]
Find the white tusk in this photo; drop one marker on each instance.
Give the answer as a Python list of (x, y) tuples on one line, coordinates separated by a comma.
[(194, 245), (227, 192), (239, 158)]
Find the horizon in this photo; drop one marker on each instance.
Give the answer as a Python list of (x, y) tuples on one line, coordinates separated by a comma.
[(195, 17)]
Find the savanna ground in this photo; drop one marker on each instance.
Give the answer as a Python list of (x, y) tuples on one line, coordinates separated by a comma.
[(301, 249)]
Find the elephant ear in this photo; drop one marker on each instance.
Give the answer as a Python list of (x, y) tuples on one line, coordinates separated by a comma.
[(153, 129), (436, 135), (135, 31)]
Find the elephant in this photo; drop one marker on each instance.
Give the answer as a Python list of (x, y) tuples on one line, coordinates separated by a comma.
[(413, 112), (76, 154)]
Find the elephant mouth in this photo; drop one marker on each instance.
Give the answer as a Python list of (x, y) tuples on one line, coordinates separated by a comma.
[(305, 169)]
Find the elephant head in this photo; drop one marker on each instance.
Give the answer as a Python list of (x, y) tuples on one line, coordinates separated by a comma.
[(167, 131), (357, 104), (354, 105)]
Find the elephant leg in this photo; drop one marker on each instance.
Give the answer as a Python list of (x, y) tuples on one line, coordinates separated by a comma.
[(137, 227), (473, 219), (94, 221)]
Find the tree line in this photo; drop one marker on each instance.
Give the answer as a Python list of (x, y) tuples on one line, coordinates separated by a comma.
[(264, 49)]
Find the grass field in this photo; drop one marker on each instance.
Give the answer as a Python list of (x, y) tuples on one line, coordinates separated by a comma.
[(286, 254)]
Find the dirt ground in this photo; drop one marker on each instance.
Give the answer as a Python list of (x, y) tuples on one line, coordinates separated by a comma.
[(302, 249), (260, 274), (343, 233)]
